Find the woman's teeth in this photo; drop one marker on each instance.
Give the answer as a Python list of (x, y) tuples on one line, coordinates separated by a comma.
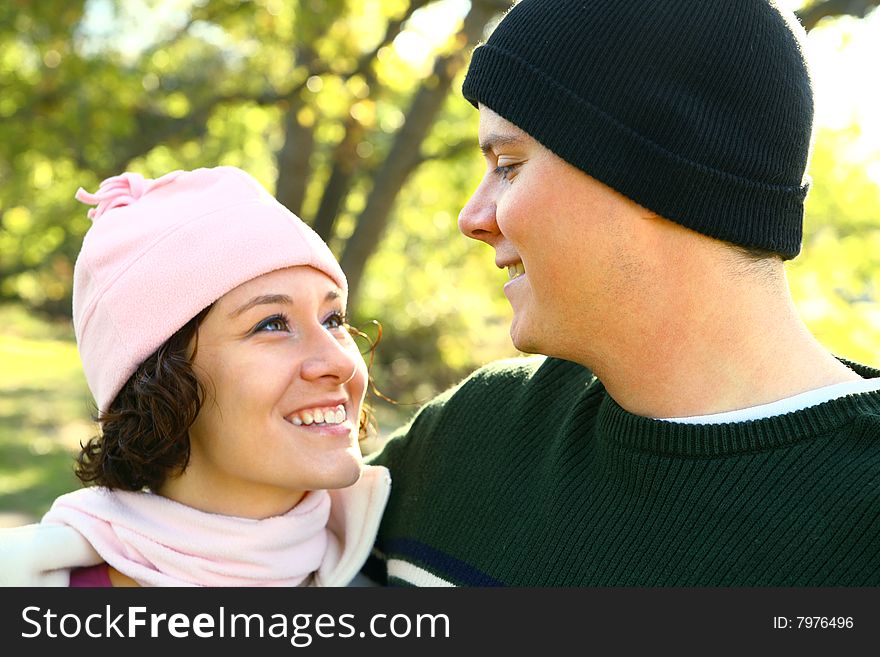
[(334, 415), (513, 271)]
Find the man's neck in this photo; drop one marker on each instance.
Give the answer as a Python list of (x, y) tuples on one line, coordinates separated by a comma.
[(734, 349)]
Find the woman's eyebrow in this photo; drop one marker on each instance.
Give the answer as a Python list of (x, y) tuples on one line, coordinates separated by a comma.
[(268, 299), (263, 299)]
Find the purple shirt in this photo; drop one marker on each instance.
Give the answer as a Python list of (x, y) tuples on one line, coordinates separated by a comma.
[(91, 577)]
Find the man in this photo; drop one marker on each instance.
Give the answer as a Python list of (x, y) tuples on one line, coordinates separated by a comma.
[(644, 184)]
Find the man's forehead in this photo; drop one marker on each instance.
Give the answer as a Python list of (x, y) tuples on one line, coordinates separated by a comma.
[(495, 131)]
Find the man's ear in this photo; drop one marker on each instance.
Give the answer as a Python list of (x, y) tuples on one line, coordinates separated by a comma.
[(649, 214)]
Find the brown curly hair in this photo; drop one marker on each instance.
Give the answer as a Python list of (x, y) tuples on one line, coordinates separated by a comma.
[(144, 435)]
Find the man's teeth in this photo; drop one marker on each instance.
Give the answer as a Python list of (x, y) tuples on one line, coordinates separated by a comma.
[(516, 270), (334, 415)]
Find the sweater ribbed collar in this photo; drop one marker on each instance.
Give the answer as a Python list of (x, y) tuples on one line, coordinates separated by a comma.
[(718, 440)]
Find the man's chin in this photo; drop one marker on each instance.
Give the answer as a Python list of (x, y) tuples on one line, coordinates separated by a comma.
[(523, 340)]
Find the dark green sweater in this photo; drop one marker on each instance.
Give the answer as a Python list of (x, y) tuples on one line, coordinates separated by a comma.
[(529, 474)]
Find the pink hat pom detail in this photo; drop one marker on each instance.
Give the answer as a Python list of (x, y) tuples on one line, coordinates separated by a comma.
[(120, 191)]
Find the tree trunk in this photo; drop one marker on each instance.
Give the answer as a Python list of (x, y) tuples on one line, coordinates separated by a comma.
[(404, 155), (345, 158), (294, 168)]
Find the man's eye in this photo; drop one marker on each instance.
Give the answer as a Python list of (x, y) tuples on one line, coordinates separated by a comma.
[(272, 324), (505, 171)]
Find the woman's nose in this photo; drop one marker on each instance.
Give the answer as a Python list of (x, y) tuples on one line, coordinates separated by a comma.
[(333, 359)]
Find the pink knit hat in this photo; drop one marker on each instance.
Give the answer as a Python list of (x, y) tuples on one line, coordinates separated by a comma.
[(160, 251)]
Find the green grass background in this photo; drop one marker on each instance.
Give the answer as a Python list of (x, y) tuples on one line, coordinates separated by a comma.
[(45, 411)]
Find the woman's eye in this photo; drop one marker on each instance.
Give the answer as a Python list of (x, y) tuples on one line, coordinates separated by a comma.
[(335, 320), (272, 324)]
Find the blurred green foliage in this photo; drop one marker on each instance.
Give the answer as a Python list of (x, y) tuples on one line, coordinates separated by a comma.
[(293, 91), (310, 96), (836, 280), (95, 88)]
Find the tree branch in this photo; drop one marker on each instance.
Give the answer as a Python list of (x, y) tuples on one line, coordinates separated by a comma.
[(394, 28), (811, 15)]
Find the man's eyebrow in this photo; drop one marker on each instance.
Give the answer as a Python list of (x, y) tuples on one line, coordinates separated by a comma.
[(263, 299), (495, 139)]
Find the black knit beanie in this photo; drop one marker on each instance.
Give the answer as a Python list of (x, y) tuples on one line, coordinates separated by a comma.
[(699, 110)]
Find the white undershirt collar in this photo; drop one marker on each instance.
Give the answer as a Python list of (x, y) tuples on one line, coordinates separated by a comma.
[(788, 405)]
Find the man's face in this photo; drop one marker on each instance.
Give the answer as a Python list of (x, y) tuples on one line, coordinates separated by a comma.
[(565, 239)]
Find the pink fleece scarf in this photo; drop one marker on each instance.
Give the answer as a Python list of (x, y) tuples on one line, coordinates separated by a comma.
[(159, 542)]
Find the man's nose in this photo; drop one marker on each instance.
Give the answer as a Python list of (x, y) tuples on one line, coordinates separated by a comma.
[(477, 218)]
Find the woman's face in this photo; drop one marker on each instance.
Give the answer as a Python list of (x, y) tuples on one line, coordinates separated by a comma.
[(284, 384)]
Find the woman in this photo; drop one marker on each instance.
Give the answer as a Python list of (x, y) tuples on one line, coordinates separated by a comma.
[(211, 326)]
